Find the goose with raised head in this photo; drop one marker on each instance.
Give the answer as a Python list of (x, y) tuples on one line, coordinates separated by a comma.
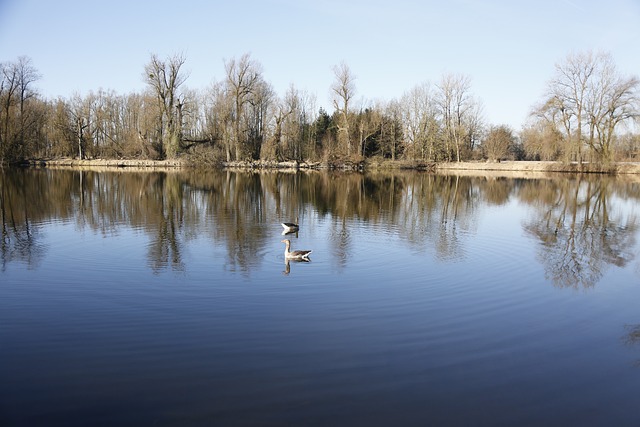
[(290, 227), (289, 254)]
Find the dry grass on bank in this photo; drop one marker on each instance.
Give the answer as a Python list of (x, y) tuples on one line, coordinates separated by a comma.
[(373, 164), (528, 166), (109, 163)]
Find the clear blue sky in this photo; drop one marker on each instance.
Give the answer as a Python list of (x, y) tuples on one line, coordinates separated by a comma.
[(507, 48)]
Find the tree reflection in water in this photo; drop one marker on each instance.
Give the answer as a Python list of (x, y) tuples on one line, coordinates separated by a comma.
[(21, 208), (577, 221), (580, 229), (632, 338)]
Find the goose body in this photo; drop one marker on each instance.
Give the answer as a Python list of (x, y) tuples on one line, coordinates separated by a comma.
[(290, 227), (289, 254)]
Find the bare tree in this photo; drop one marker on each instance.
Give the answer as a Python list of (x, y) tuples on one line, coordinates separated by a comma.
[(391, 130), (629, 146), (541, 141), (16, 117), (297, 134), (587, 100), (343, 90), (165, 78), (567, 93), (286, 134), (80, 115), (258, 117), (27, 75), (369, 120), (612, 100), (290, 137), (219, 117), (459, 113), (498, 143), (420, 119), (242, 78), (137, 125)]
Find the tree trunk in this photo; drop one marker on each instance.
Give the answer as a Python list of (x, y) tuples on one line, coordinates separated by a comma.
[(80, 132)]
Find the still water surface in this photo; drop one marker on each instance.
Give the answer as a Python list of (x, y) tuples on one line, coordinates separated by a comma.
[(163, 299)]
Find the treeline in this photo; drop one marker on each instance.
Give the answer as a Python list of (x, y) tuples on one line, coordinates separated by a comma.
[(589, 113)]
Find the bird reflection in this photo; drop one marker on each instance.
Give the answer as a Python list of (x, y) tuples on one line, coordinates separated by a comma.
[(287, 264), (286, 233)]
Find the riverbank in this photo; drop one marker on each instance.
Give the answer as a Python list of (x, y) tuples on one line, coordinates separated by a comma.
[(529, 166), (505, 166), (107, 163)]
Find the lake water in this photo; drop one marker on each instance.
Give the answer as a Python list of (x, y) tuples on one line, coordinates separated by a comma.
[(163, 299)]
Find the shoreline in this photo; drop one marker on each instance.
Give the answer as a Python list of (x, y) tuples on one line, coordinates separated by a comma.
[(542, 166), (493, 167)]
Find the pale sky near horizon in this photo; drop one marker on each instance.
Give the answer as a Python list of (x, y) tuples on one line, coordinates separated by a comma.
[(507, 48)]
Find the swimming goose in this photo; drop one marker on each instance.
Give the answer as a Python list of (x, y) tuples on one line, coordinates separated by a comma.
[(290, 227), (288, 254)]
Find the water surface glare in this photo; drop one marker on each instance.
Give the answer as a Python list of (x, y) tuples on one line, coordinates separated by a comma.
[(163, 298)]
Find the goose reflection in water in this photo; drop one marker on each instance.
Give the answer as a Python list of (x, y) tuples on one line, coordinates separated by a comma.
[(287, 233), (287, 264)]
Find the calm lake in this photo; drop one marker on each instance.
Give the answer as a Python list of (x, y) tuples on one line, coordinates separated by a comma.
[(164, 299)]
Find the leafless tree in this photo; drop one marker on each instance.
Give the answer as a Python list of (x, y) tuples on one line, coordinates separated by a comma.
[(459, 113), (286, 134), (541, 141), (587, 99), (58, 130), (80, 115), (304, 115), (629, 146), (16, 117), (391, 130), (243, 77), (613, 100), (165, 78), (567, 94), (420, 119), (498, 142), (369, 120), (219, 118), (258, 113), (343, 90)]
